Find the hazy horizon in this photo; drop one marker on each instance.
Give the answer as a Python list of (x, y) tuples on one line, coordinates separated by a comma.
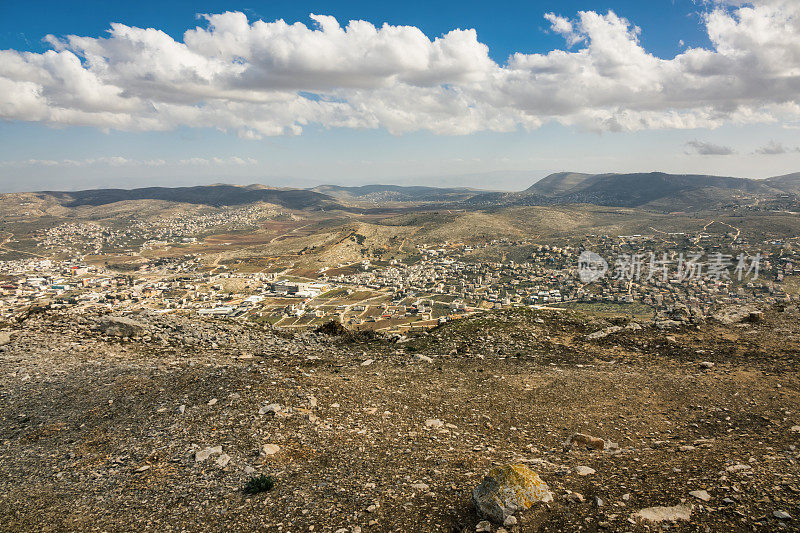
[(111, 95)]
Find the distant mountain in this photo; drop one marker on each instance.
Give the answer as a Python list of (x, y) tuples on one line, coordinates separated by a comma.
[(558, 183), (789, 183), (211, 195), (654, 190), (397, 193)]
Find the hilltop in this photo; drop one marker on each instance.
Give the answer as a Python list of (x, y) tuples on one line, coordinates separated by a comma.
[(654, 190)]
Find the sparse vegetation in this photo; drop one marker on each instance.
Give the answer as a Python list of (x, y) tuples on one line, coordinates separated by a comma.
[(258, 484)]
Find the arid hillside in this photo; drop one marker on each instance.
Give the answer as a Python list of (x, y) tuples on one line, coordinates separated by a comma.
[(156, 423)]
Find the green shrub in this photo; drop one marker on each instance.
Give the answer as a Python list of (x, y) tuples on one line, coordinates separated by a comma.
[(261, 483)]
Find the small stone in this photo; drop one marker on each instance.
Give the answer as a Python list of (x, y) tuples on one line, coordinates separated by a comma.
[(433, 423), (510, 521), (484, 526), (598, 501), (421, 487), (575, 497), (583, 440), (143, 468), (181, 409), (706, 365), (273, 408), (664, 514), (700, 495), (795, 429), (212, 401), (270, 449), (367, 362), (207, 452), (223, 460), (781, 515), (584, 470), (5, 338)]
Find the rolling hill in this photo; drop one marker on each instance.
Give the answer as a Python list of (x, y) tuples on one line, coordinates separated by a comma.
[(656, 190), (397, 193), (211, 195)]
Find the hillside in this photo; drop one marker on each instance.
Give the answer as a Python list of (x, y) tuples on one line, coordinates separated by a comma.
[(789, 183), (211, 195), (397, 193), (160, 426), (558, 183), (656, 190)]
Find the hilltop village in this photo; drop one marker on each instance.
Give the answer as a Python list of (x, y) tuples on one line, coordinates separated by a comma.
[(437, 283)]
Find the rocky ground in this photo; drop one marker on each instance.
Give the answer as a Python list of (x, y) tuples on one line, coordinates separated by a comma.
[(156, 423)]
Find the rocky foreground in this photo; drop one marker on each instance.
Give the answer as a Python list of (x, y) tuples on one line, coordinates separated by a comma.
[(157, 423)]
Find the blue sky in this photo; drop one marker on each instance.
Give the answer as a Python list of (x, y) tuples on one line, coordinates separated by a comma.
[(625, 86)]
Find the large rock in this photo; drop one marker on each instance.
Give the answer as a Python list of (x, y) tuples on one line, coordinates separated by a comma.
[(120, 326), (603, 333), (507, 489)]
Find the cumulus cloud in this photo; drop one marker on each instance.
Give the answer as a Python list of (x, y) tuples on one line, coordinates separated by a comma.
[(261, 78), (707, 148), (775, 148), (118, 161)]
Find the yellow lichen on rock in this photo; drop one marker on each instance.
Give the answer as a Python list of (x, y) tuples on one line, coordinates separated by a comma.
[(507, 489)]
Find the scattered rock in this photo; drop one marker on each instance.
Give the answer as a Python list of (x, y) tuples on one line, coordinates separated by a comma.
[(603, 333), (270, 449), (433, 423), (584, 470), (700, 495), (273, 408), (207, 452), (5, 338), (223, 460), (583, 440), (367, 362), (574, 497), (706, 365), (781, 515), (483, 527), (507, 489), (664, 514), (119, 326)]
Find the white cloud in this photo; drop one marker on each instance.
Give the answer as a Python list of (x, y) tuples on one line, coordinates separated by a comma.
[(118, 161), (776, 148), (707, 148), (272, 78)]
